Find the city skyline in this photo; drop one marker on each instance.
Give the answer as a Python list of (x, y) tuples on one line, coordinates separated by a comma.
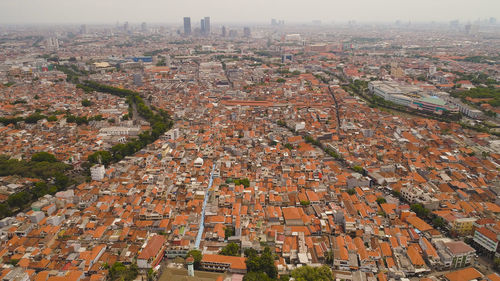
[(222, 11)]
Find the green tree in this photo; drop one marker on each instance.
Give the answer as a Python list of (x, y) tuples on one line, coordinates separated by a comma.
[(305, 202), (496, 264), (351, 191), (420, 210), (18, 200), (231, 249), (161, 62), (284, 278), (86, 103), (245, 182), (309, 273), (197, 256), (102, 156), (40, 189), (61, 180), (43, 157), (396, 193), (123, 273), (358, 169), (150, 274), (381, 200), (33, 118), (257, 276), (228, 231), (438, 222), (4, 210), (250, 252), (263, 263), (329, 257), (52, 118)]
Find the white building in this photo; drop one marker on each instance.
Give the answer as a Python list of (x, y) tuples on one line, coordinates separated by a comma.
[(172, 134), (486, 239), (37, 216), (120, 131), (97, 172), (198, 162)]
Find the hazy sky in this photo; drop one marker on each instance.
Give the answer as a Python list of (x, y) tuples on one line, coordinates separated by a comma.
[(172, 11)]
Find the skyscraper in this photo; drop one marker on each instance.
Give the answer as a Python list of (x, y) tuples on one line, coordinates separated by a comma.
[(223, 31), (207, 25), (83, 29), (187, 26), (246, 32), (202, 27)]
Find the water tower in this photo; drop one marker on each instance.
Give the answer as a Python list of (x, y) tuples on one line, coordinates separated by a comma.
[(190, 263)]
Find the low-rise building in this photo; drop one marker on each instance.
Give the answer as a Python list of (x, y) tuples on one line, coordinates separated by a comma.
[(97, 172), (224, 263), (486, 239), (455, 254), (153, 253)]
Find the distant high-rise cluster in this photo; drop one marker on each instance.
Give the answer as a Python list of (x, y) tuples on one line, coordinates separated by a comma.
[(52, 43), (275, 22), (204, 26)]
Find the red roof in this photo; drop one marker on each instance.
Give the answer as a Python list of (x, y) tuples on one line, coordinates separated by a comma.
[(488, 233), (155, 244), (234, 262)]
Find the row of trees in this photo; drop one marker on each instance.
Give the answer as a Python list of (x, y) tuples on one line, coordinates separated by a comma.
[(82, 119), (35, 117), (158, 118), (72, 72)]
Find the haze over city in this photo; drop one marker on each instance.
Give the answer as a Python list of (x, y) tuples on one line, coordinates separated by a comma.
[(277, 140), (258, 11)]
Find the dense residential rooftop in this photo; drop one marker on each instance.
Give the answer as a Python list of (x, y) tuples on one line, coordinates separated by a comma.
[(294, 154)]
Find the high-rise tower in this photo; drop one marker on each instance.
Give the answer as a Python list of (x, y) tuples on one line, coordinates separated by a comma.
[(207, 25), (187, 26)]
